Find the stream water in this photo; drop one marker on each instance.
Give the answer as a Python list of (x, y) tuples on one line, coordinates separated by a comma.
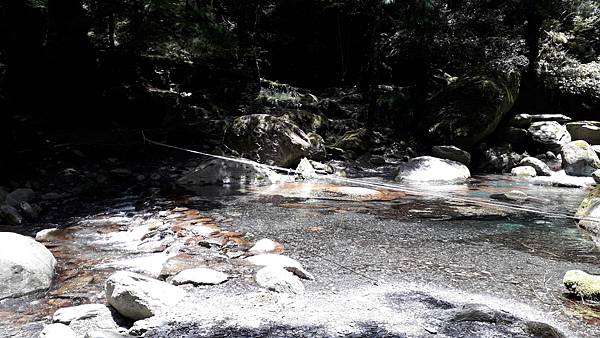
[(347, 236)]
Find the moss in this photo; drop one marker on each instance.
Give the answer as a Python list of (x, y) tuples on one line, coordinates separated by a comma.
[(582, 284)]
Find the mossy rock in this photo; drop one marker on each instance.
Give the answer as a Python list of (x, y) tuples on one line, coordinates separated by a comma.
[(470, 109), (590, 207), (582, 284)]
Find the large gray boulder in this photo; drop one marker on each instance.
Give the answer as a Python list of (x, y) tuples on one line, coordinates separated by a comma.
[(452, 153), (579, 159), (541, 168), (137, 297), (271, 140), (218, 172), (433, 170), (469, 109), (25, 265), (588, 131), (549, 135)]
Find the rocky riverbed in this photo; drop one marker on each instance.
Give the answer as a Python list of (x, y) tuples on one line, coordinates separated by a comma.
[(386, 263)]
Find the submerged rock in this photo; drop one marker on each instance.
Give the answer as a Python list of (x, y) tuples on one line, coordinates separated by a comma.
[(278, 279), (523, 171), (588, 131), (549, 135), (539, 329), (25, 265), (452, 153), (432, 169), (475, 313), (137, 297), (285, 262), (200, 276), (541, 168), (579, 159), (217, 172), (511, 196), (582, 284), (271, 140)]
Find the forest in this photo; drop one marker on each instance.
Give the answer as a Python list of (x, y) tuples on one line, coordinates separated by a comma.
[(432, 166)]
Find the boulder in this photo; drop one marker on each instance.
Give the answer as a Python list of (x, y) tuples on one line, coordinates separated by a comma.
[(25, 265), (200, 276), (278, 279), (588, 211), (549, 135), (596, 149), (596, 176), (285, 262), (560, 118), (137, 297), (588, 131), (582, 284), (266, 246), (523, 171), (469, 109), (20, 195), (10, 215), (520, 121), (218, 172), (475, 313), (511, 196), (105, 334), (432, 169), (305, 169), (540, 167), (579, 159), (57, 330), (270, 140), (499, 159), (452, 153), (67, 315)]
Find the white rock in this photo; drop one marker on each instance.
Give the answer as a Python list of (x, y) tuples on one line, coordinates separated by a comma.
[(278, 279), (579, 159), (540, 167), (137, 297), (68, 314), (285, 262), (200, 276), (46, 234), (266, 246), (596, 176), (432, 169), (523, 171), (57, 331), (25, 265), (104, 334), (306, 169)]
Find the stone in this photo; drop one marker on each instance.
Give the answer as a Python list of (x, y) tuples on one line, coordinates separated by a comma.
[(10, 215), (269, 139), (549, 135), (582, 284), (105, 334), (68, 314), (452, 153), (432, 169), (596, 176), (305, 169), (266, 246), (200, 276), (541, 168), (579, 159), (520, 121), (539, 329), (560, 118), (278, 279), (219, 172), (20, 195), (588, 131), (523, 171), (499, 159), (137, 297), (57, 330), (588, 212), (511, 196), (475, 313), (52, 234), (285, 262), (25, 265)]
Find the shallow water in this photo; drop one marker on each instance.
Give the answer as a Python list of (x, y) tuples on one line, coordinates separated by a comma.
[(386, 234)]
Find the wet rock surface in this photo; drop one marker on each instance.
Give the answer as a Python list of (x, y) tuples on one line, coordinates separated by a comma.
[(432, 169)]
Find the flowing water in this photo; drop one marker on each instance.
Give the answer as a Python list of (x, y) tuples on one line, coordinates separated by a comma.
[(350, 237)]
